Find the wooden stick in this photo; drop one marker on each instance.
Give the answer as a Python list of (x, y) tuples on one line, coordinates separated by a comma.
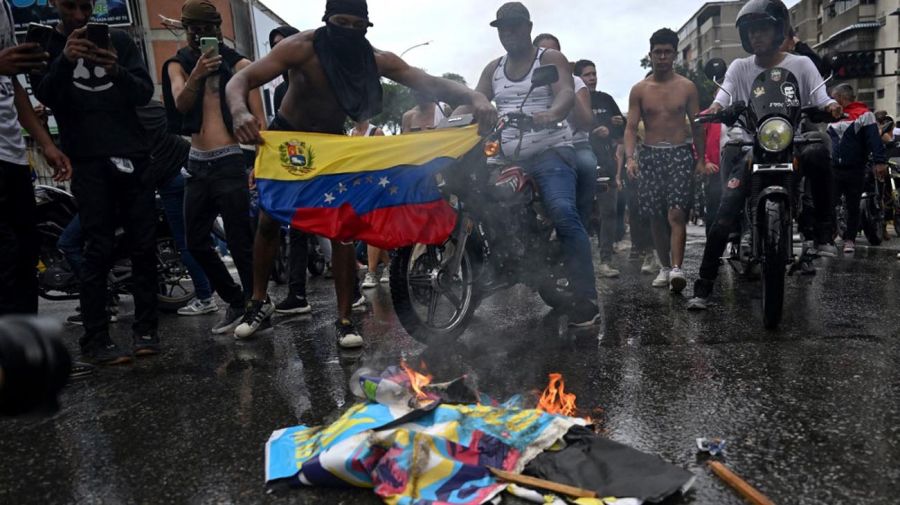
[(525, 480), (740, 485)]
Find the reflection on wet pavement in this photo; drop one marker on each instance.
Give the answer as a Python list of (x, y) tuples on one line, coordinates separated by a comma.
[(809, 411)]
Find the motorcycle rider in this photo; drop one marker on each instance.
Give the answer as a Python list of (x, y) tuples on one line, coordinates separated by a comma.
[(335, 73), (762, 25), (853, 141), (547, 155)]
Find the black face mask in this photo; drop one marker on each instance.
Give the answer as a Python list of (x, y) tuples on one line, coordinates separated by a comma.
[(347, 42)]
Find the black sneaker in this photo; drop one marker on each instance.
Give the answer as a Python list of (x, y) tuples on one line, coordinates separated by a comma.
[(702, 291), (104, 352), (293, 305), (256, 318), (229, 322), (347, 335), (584, 313), (146, 345)]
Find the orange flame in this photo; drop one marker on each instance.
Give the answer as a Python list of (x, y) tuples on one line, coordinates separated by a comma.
[(555, 400), (417, 381)]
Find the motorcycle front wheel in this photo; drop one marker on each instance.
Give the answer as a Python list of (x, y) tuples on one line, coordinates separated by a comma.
[(776, 247), (432, 304), (872, 225), (173, 288)]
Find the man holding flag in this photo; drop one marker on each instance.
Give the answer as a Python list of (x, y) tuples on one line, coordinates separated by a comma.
[(334, 73)]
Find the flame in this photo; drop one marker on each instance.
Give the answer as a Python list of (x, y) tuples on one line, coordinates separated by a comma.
[(555, 400), (417, 381)]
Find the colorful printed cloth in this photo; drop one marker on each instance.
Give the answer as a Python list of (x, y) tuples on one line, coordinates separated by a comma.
[(380, 190), (437, 455)]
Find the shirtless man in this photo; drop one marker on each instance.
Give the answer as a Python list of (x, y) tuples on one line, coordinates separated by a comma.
[(334, 73), (665, 163), (216, 175), (426, 115)]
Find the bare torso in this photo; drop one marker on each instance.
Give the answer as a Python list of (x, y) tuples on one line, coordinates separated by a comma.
[(309, 104), (664, 106), (213, 133)]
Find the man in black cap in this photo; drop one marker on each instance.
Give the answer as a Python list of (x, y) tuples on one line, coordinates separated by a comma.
[(216, 173), (546, 152), (334, 73)]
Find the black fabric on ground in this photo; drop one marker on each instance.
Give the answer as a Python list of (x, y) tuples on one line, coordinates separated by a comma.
[(609, 468)]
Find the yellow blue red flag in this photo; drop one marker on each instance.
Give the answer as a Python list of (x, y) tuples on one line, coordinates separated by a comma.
[(381, 190)]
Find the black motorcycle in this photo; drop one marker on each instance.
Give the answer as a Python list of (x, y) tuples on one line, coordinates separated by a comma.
[(56, 281), (503, 237), (772, 118)]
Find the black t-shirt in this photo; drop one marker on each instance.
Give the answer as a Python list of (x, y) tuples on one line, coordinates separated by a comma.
[(168, 152), (605, 108)]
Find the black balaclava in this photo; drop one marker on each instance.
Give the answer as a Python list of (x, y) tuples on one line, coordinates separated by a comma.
[(348, 61), (284, 31)]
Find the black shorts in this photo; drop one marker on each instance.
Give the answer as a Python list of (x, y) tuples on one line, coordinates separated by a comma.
[(665, 179)]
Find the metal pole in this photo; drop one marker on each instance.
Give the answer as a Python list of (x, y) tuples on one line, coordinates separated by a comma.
[(415, 46)]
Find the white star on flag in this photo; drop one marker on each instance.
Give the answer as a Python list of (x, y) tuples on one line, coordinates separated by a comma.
[(383, 182), (341, 187), (329, 198)]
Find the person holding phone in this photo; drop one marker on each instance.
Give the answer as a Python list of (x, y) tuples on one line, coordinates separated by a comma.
[(216, 174), (18, 219), (95, 80)]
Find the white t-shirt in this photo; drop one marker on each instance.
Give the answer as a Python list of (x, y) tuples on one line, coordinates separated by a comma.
[(578, 136), (12, 145), (743, 71)]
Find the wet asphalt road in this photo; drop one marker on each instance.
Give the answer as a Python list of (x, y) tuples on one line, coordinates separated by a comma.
[(810, 412)]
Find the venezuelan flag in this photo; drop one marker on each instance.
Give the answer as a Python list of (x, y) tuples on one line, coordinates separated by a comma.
[(380, 190)]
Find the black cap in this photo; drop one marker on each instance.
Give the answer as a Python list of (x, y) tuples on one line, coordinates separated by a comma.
[(511, 13)]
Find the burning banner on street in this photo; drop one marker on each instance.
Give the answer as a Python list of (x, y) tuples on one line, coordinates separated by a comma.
[(412, 442)]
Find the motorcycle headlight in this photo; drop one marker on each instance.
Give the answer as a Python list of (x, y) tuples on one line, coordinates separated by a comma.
[(775, 135)]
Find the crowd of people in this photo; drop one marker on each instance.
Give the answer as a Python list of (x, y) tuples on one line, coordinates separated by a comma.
[(596, 167)]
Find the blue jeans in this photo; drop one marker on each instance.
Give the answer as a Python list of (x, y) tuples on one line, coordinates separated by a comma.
[(71, 243), (172, 196), (554, 172)]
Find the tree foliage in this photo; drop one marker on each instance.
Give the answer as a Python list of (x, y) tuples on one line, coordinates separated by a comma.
[(398, 99)]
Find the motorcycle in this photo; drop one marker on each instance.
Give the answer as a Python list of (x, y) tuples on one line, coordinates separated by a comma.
[(871, 210), (772, 118), (891, 198), (56, 281), (503, 237)]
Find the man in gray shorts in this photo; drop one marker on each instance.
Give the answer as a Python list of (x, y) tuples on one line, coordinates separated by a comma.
[(664, 165)]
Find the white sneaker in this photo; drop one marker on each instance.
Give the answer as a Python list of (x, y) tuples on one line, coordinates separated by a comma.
[(198, 307), (386, 275), (606, 271), (370, 281), (677, 280), (650, 266), (359, 304), (662, 280), (849, 247)]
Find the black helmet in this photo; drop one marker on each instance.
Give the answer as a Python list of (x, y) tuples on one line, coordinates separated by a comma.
[(773, 11)]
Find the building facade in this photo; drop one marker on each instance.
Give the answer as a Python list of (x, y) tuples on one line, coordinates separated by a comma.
[(856, 25), (710, 33)]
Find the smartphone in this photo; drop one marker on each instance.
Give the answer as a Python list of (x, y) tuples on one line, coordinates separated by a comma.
[(39, 34), (98, 33), (209, 46)]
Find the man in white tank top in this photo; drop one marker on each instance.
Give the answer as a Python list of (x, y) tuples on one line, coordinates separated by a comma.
[(546, 154)]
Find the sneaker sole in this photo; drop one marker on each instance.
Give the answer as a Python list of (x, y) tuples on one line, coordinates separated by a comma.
[(226, 329), (353, 344), (124, 360), (586, 324), (263, 326), (660, 285), (200, 313), (678, 284), (145, 351), (301, 310), (696, 306)]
